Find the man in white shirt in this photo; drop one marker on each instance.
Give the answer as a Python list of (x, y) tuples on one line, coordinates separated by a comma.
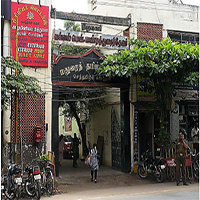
[(195, 137)]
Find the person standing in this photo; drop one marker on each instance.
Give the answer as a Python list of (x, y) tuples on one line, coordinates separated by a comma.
[(180, 158), (75, 149), (61, 146), (195, 137), (94, 165)]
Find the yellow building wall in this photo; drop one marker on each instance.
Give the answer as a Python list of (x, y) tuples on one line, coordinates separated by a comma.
[(100, 125), (75, 128)]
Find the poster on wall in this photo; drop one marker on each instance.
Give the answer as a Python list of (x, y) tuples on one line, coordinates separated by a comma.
[(145, 90), (29, 34), (68, 124), (135, 137)]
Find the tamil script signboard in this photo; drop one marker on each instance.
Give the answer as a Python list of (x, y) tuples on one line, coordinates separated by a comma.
[(62, 37), (79, 68), (30, 26), (185, 91), (174, 123)]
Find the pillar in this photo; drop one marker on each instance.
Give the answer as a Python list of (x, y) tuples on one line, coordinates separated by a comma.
[(55, 128), (125, 130)]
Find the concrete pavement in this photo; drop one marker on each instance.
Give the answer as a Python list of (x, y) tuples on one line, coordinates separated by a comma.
[(167, 190), (78, 179), (75, 180)]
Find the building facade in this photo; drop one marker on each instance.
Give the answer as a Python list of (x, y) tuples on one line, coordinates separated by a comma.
[(150, 20), (33, 51)]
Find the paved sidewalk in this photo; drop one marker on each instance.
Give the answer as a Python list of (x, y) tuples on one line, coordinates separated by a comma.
[(159, 191), (78, 179)]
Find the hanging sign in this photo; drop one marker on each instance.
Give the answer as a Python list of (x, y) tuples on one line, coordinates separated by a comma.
[(136, 134), (91, 27), (80, 68), (84, 39), (30, 26), (174, 123)]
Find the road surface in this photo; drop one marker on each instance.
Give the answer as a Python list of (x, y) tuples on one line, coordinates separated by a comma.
[(163, 191)]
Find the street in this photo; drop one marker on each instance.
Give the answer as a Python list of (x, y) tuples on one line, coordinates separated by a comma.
[(156, 191)]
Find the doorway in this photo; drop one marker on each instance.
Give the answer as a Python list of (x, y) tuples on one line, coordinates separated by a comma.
[(146, 129)]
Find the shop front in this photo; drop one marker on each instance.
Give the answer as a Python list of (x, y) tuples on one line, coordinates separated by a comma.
[(186, 114)]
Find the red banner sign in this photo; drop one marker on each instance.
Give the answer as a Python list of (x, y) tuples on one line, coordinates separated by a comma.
[(32, 22)]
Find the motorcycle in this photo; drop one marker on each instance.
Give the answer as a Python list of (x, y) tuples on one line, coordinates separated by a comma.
[(14, 181), (33, 181), (151, 166), (2, 186)]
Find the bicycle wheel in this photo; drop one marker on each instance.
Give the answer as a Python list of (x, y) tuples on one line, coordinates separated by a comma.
[(49, 182), (10, 194), (195, 169)]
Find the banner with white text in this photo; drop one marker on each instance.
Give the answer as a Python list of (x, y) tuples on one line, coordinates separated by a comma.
[(29, 31)]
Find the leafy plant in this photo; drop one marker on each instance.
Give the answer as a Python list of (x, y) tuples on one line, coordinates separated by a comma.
[(159, 62), (16, 82)]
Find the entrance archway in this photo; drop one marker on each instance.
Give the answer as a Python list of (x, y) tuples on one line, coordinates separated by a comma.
[(79, 71)]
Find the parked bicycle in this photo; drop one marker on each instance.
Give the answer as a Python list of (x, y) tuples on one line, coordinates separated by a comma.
[(194, 164), (151, 166), (46, 175)]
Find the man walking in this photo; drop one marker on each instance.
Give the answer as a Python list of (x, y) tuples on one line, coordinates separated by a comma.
[(180, 157)]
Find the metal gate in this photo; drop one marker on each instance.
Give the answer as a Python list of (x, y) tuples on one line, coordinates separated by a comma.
[(116, 140)]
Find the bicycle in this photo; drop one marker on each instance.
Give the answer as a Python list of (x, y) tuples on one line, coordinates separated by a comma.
[(194, 159), (46, 175)]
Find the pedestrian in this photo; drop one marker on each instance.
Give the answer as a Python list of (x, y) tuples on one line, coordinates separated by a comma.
[(75, 149), (61, 146), (94, 165), (195, 137), (180, 158)]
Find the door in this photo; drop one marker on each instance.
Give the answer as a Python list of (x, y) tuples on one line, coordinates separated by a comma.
[(116, 140)]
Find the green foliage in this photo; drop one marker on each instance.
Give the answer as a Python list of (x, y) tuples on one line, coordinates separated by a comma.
[(70, 50), (162, 62), (84, 101), (16, 82), (71, 26), (155, 59), (44, 157), (163, 136), (159, 62)]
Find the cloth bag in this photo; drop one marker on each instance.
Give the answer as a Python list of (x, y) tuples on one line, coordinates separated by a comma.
[(87, 160)]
